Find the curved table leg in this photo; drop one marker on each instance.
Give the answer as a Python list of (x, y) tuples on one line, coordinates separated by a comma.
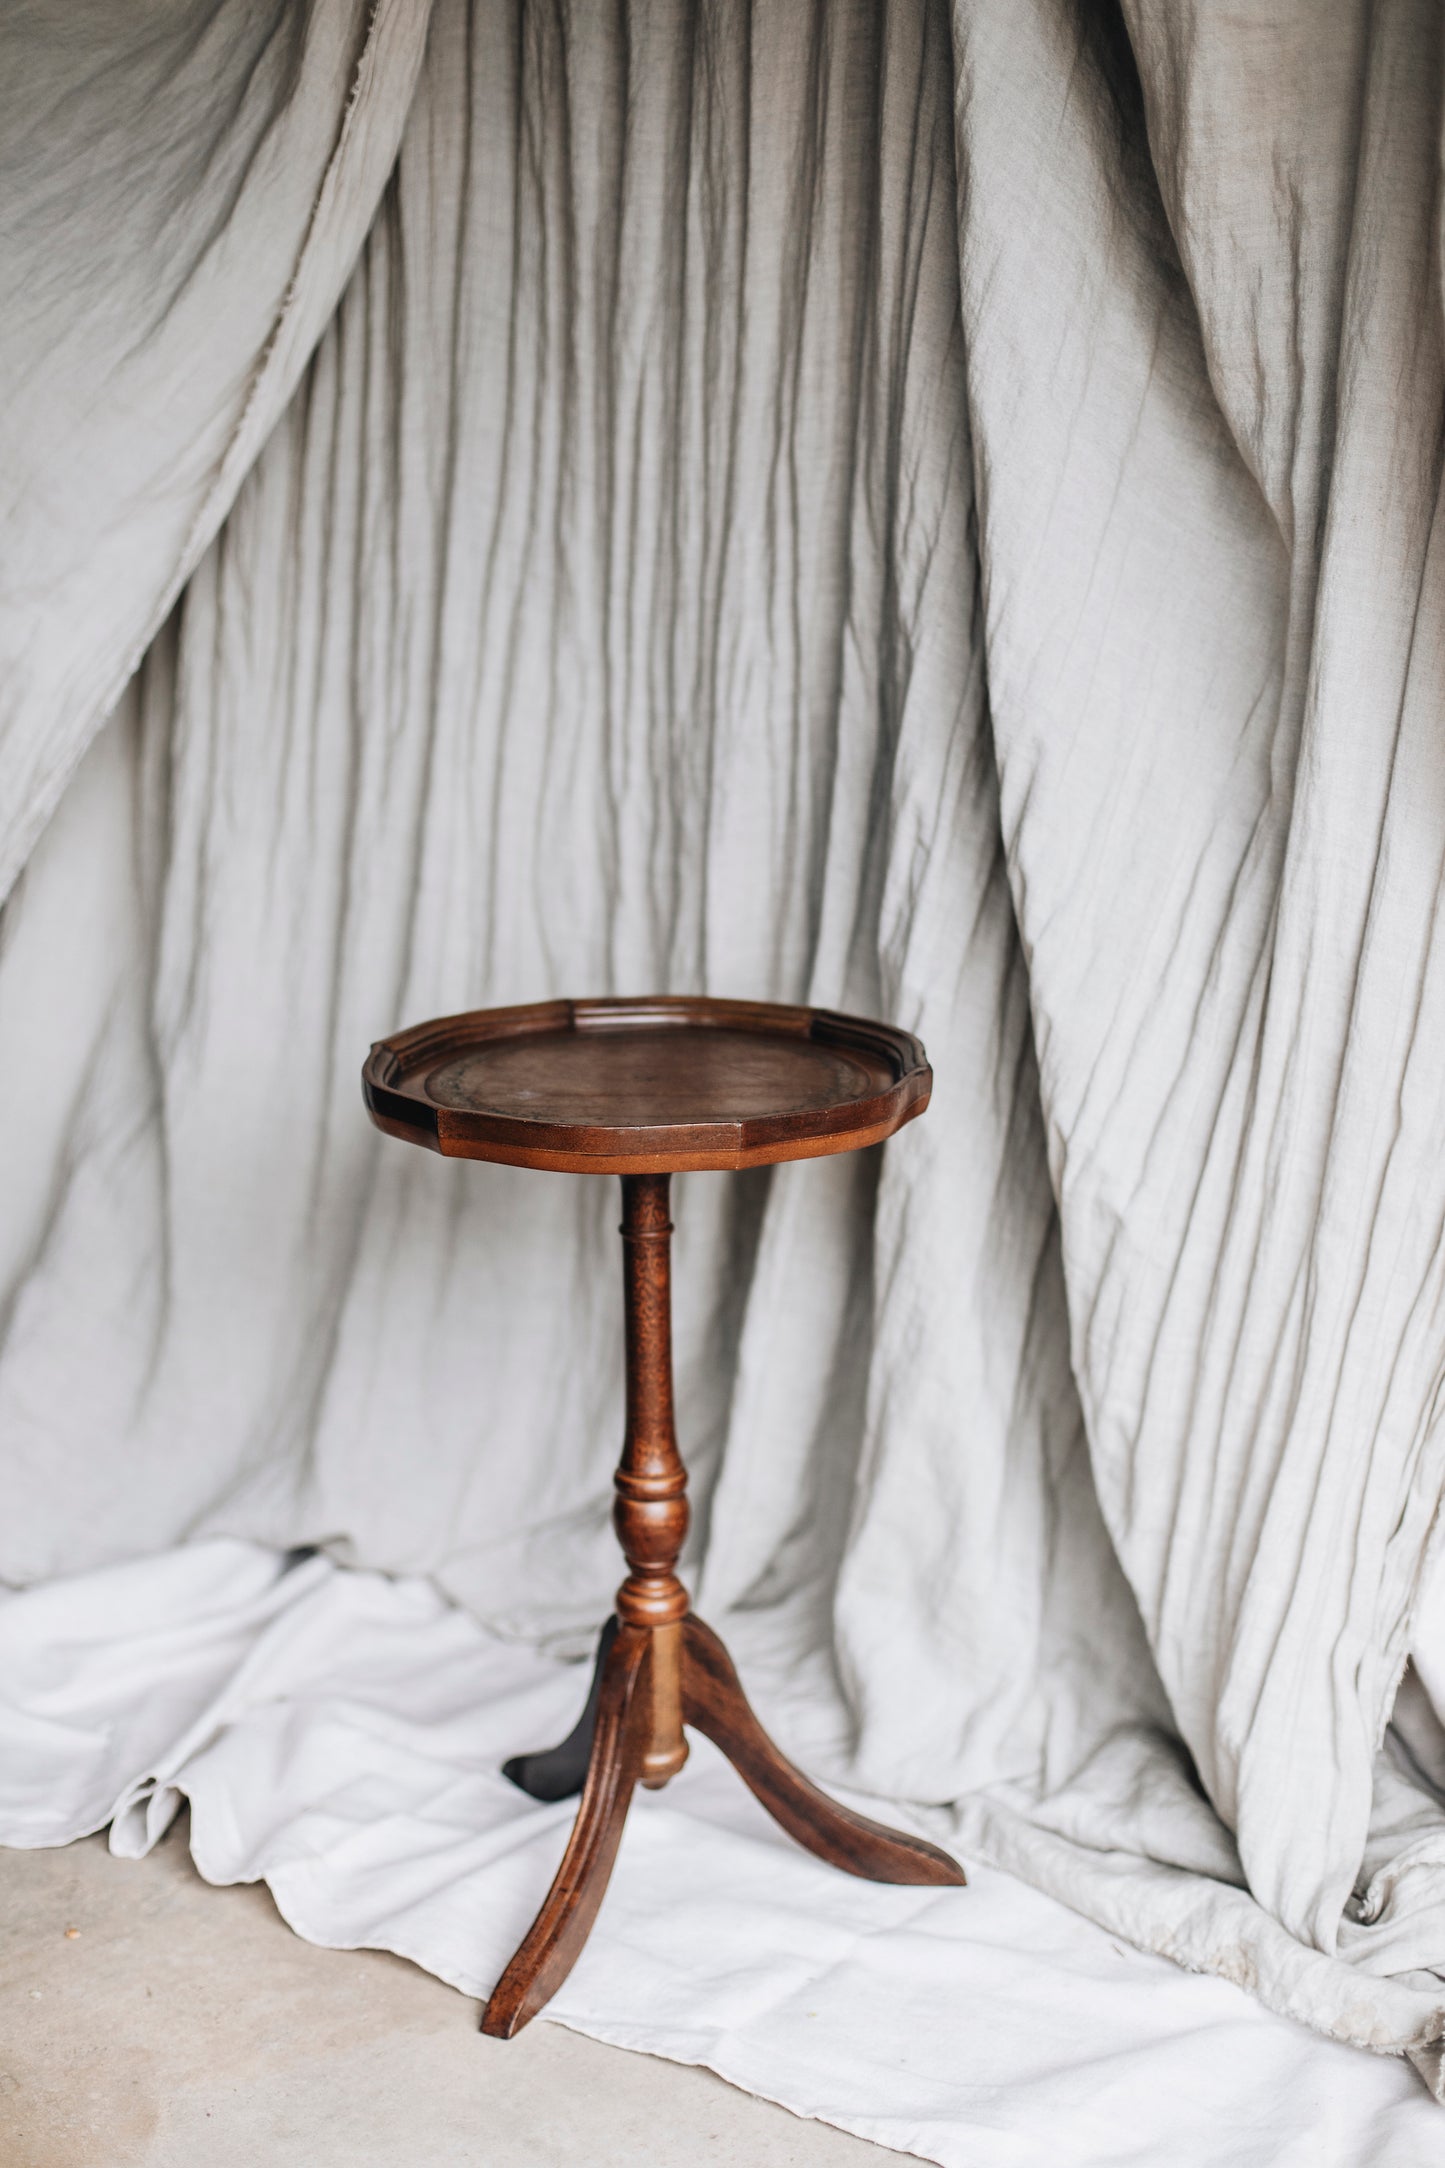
[(713, 1702), (559, 1772), (554, 1941)]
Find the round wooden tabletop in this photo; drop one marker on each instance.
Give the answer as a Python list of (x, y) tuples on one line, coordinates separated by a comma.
[(652, 1086)]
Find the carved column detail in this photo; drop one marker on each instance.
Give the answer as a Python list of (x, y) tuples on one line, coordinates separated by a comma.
[(651, 1513)]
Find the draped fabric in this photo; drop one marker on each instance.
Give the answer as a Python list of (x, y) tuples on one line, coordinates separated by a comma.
[(182, 200), (818, 503)]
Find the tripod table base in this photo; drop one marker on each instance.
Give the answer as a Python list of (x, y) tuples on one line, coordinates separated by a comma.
[(713, 1702)]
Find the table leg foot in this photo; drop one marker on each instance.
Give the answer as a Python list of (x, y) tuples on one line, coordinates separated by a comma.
[(554, 1941), (559, 1772), (714, 1703)]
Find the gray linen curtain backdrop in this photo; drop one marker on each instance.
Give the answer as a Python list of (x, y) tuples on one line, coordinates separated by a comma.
[(828, 502)]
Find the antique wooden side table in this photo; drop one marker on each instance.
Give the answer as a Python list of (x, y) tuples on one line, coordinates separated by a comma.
[(644, 1089)]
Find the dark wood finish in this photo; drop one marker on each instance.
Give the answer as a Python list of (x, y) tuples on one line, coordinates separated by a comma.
[(649, 1086), (553, 1942), (644, 1089), (560, 1772), (714, 1703), (651, 1512), (626, 1732)]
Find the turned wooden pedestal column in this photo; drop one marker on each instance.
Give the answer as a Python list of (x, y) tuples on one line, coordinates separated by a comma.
[(641, 1089), (651, 1513)]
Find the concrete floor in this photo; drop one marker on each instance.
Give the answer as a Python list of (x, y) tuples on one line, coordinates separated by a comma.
[(150, 2021)]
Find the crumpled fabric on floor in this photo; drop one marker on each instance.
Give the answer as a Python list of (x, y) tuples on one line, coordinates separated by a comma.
[(339, 1733), (924, 510)]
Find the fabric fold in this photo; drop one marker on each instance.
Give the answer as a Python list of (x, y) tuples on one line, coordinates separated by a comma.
[(183, 202), (340, 1735)]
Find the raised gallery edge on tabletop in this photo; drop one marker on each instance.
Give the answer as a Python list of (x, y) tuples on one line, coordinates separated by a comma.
[(656, 1084)]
